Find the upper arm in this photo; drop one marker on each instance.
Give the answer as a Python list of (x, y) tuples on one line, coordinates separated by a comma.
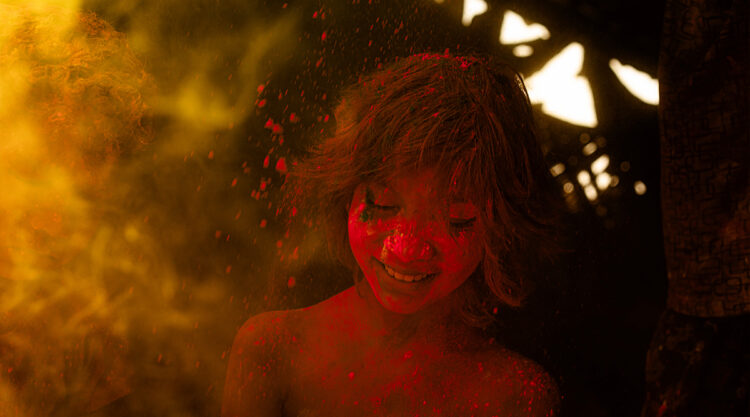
[(537, 392), (540, 396), (254, 384), (528, 390)]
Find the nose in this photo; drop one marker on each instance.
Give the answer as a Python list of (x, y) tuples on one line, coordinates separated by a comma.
[(407, 246)]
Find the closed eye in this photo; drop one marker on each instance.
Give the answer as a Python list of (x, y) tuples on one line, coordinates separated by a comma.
[(462, 224), (370, 202)]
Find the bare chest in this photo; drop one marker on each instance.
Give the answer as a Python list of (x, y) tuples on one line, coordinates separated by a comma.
[(404, 383)]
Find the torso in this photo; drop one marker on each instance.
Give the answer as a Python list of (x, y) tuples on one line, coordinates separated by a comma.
[(335, 371)]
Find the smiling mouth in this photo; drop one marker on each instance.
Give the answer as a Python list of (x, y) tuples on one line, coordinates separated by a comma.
[(405, 277)]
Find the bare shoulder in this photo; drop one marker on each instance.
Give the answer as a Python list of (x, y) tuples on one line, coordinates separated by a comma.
[(255, 382), (526, 387)]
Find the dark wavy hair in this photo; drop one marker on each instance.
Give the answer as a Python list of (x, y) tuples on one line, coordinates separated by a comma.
[(469, 118)]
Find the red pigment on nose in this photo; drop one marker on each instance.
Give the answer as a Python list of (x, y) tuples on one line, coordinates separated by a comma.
[(408, 247)]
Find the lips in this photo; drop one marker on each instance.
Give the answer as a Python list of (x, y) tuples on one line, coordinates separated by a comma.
[(404, 276)]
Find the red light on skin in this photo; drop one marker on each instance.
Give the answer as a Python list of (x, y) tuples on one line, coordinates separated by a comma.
[(407, 244)]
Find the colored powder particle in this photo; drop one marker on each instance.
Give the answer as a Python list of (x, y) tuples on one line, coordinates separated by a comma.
[(266, 161), (281, 165), (263, 223), (269, 123), (291, 283), (262, 103)]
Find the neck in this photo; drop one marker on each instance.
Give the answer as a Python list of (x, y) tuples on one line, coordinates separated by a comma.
[(436, 325)]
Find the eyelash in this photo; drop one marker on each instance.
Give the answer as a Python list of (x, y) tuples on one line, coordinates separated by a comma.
[(462, 225), (370, 203), (458, 226)]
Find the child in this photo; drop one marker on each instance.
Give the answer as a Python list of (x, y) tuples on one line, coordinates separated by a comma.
[(435, 193)]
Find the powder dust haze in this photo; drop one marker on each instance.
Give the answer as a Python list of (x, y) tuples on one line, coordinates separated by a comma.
[(143, 148)]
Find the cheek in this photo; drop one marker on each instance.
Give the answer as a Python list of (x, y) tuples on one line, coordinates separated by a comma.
[(357, 227), (462, 252), (363, 229)]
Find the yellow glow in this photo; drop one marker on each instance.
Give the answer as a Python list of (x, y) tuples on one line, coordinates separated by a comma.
[(523, 51), (639, 187), (515, 30), (590, 192), (562, 92), (568, 187), (584, 178), (600, 164), (639, 83), (603, 181), (472, 8), (557, 169), (589, 148)]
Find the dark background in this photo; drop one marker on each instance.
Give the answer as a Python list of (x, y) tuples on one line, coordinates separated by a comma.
[(591, 319)]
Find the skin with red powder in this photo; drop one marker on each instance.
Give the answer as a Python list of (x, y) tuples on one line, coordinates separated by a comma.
[(389, 346), (433, 190)]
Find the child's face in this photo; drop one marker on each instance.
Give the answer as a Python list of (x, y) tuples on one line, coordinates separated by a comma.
[(414, 243)]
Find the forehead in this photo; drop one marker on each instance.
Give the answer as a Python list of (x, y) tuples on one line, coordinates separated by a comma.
[(429, 183)]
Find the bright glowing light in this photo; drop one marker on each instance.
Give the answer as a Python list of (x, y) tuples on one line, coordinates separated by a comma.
[(584, 178), (590, 192), (568, 187), (557, 169), (639, 83), (603, 181), (472, 8), (589, 148), (515, 30), (522, 51), (600, 164), (639, 187), (562, 92)]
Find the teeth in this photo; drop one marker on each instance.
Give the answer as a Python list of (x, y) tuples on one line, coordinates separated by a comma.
[(404, 277)]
